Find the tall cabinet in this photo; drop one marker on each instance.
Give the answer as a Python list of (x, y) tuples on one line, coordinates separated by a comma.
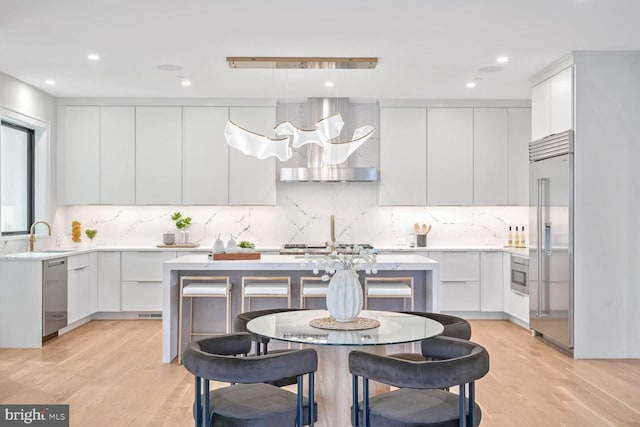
[(597, 94)]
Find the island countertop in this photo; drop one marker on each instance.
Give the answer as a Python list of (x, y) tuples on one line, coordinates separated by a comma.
[(425, 271)]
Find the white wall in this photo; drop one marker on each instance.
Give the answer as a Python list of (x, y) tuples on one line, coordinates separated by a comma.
[(36, 109)]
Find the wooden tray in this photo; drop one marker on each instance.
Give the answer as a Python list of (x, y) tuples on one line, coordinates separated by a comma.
[(238, 256), (180, 245)]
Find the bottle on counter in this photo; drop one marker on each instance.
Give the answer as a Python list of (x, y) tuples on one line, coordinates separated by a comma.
[(510, 238), (522, 239), (516, 242)]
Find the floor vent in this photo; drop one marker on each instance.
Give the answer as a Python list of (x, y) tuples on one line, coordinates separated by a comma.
[(149, 315)]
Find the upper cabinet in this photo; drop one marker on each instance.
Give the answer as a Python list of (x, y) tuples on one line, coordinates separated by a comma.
[(449, 156), (205, 171), (158, 155), (490, 141), (117, 155), (518, 156), (252, 181), (403, 156), (79, 138), (552, 105)]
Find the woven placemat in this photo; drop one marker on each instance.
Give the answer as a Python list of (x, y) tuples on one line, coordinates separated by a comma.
[(357, 324)]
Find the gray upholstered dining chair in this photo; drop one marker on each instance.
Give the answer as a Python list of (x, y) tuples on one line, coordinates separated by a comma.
[(248, 401), (419, 399), (454, 327)]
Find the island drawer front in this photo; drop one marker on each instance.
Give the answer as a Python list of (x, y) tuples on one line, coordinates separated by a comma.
[(458, 266), (144, 266), (460, 296), (141, 296)]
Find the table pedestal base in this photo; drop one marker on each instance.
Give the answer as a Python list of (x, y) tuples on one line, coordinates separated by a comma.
[(333, 383)]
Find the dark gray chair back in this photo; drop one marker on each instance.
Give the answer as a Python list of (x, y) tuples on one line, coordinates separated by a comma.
[(220, 359), (454, 326), (449, 362)]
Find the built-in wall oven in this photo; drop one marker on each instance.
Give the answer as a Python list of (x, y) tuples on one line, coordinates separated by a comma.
[(519, 270)]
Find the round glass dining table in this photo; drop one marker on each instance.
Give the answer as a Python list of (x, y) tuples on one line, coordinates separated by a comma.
[(333, 380)]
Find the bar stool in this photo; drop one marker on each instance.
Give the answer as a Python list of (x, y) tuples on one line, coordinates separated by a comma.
[(210, 287), (265, 287), (388, 287), (312, 287)]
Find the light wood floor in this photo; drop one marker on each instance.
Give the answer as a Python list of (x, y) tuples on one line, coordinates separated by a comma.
[(110, 374)]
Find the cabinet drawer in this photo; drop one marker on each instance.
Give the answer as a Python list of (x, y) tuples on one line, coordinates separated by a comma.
[(458, 266), (77, 261), (519, 306), (144, 266), (141, 296), (460, 296)]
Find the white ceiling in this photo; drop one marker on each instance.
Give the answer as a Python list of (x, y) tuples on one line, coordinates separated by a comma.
[(427, 49)]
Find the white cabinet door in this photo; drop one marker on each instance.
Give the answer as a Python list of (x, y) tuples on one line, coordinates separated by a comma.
[(109, 281), (519, 306), (403, 156), (449, 156), (158, 155), (142, 280), (205, 171), (491, 281), (561, 101), (92, 305), (74, 295), (518, 152), (252, 181), (117, 155), (460, 280), (460, 296), (79, 137), (490, 136), (540, 110)]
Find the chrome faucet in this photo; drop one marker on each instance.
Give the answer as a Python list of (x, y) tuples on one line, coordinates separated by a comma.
[(32, 237)]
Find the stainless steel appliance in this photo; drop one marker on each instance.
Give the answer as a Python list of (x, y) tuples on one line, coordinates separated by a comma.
[(519, 272), (54, 296), (304, 248), (551, 240)]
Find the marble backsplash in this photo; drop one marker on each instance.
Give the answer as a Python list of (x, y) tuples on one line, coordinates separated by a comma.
[(301, 216)]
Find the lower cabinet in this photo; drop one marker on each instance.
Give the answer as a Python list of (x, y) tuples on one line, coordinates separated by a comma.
[(109, 281), (141, 288), (459, 280), (519, 306), (82, 286)]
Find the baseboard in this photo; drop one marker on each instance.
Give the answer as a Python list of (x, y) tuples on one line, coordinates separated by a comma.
[(128, 315)]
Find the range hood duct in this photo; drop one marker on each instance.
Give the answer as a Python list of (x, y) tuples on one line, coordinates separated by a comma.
[(317, 169)]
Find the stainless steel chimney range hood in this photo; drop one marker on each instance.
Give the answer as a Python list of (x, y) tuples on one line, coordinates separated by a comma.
[(317, 170)]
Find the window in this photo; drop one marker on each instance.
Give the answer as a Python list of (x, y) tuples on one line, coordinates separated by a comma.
[(16, 179)]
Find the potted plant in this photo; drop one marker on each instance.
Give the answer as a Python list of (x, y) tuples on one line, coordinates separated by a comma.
[(182, 224)]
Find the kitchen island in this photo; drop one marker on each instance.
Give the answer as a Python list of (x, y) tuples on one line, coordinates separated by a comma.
[(426, 274)]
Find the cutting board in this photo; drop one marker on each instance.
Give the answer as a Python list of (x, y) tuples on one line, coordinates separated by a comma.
[(236, 257), (180, 245)]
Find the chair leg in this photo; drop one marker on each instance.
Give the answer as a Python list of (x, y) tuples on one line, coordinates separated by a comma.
[(365, 405), (207, 409), (311, 399), (198, 400), (461, 412), (472, 402), (299, 421), (354, 397)]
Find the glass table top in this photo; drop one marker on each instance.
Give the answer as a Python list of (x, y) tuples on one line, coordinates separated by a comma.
[(395, 328)]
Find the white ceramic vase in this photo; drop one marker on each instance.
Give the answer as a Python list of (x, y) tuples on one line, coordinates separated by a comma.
[(344, 296)]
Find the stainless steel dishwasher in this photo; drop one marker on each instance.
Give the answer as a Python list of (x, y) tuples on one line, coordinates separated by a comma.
[(54, 296)]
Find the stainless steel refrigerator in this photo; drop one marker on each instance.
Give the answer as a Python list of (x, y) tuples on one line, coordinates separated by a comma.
[(550, 275)]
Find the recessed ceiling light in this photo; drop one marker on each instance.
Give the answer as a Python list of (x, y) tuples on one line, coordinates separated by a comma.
[(169, 67), (471, 84), (502, 59), (50, 82), (93, 57), (328, 84), (186, 83)]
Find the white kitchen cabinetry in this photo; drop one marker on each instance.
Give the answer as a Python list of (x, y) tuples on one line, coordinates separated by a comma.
[(252, 181), (158, 155), (518, 156), (142, 280), (491, 282), (117, 155), (82, 286), (552, 105), (490, 138), (403, 156), (459, 280), (79, 138), (205, 172), (449, 156), (109, 281)]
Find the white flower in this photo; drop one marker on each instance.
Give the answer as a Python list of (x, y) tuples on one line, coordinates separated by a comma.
[(353, 258)]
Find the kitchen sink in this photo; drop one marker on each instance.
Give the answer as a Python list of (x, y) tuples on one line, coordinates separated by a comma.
[(55, 251)]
